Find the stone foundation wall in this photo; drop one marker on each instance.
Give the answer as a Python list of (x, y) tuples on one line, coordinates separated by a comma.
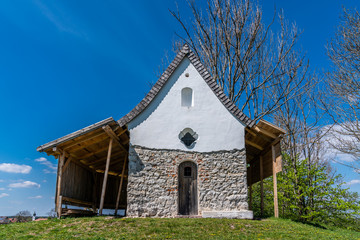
[(153, 181)]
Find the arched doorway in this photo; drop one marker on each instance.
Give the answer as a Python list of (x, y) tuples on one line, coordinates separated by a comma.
[(187, 199)]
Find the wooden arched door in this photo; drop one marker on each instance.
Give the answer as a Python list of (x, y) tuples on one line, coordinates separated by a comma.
[(188, 202)]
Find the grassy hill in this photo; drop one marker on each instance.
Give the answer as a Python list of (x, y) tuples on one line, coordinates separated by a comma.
[(179, 228)]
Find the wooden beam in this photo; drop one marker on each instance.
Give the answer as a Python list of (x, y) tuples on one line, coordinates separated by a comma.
[(84, 140), (120, 186), (58, 187), (73, 135), (250, 131), (262, 121), (264, 132), (261, 187), (93, 153), (94, 196), (115, 174), (113, 162), (113, 136), (105, 177), (60, 206), (276, 206), (89, 143), (102, 161), (66, 164), (77, 201), (254, 145), (250, 189), (122, 132), (116, 161), (80, 164)]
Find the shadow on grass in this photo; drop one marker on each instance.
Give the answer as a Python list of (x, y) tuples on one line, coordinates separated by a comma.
[(313, 224), (317, 225)]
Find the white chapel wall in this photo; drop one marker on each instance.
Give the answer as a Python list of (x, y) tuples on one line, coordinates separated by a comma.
[(159, 125)]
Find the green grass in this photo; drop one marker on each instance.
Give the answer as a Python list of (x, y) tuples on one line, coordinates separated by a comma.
[(178, 228)]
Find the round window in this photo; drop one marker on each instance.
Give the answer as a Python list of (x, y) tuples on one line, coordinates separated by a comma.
[(188, 137)]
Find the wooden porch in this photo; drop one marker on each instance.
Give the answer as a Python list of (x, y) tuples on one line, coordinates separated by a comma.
[(92, 169), (263, 156)]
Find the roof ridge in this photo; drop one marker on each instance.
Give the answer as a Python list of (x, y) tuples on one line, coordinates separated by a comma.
[(186, 51)]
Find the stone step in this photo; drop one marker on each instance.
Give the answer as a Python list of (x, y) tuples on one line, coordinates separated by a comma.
[(188, 216)]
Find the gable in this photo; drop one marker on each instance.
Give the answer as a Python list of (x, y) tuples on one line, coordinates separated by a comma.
[(186, 52), (161, 122)]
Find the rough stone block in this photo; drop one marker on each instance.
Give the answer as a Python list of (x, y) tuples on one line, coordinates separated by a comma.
[(243, 214)]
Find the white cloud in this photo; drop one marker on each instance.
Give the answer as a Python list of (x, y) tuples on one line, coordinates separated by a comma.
[(14, 168), (334, 137), (35, 197), (2, 180), (352, 182), (52, 168), (4, 195), (2, 188), (63, 22), (25, 184)]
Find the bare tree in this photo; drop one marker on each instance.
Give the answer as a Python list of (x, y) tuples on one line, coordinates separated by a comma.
[(251, 64), (52, 213), (305, 138), (23, 216), (344, 87)]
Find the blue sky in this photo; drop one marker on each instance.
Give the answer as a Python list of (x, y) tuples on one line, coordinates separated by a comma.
[(68, 64)]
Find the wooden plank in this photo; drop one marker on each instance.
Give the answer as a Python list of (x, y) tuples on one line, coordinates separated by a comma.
[(102, 199), (268, 124), (276, 206), (115, 174), (261, 187), (250, 189), (77, 212), (121, 133), (120, 186), (102, 161), (88, 143), (83, 157), (94, 197), (113, 136), (77, 201), (251, 132), (77, 162), (254, 145), (58, 187), (83, 140), (60, 206), (264, 132), (66, 164), (74, 134)]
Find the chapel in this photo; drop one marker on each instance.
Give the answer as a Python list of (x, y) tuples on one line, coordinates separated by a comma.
[(184, 150)]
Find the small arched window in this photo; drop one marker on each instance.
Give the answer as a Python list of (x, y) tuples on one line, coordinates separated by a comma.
[(187, 97)]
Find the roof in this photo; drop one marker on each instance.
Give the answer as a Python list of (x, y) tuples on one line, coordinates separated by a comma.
[(75, 134), (258, 142), (211, 82)]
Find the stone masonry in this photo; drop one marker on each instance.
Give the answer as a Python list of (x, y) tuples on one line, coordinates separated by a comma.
[(153, 183)]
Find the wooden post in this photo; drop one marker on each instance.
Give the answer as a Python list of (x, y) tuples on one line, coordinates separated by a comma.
[(58, 187), (276, 207), (250, 189), (105, 177), (94, 200), (261, 187), (60, 206), (120, 186)]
